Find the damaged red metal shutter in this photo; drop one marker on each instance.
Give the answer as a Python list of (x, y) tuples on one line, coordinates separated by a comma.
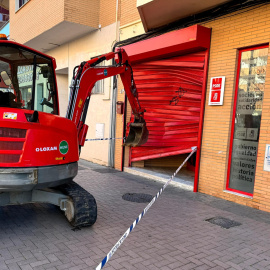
[(170, 90)]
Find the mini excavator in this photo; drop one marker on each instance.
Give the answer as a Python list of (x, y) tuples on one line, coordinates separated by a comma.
[(39, 150)]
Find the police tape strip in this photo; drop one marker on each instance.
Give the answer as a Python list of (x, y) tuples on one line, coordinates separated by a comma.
[(129, 230), (104, 139)]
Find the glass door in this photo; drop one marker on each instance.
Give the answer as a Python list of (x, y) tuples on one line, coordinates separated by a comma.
[(246, 123)]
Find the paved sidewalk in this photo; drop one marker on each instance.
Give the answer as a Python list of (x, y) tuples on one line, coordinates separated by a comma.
[(172, 235)]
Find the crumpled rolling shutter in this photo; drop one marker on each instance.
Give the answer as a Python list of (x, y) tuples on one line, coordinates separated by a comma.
[(170, 90)]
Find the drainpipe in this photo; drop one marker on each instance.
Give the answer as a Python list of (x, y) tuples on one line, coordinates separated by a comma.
[(116, 20), (124, 134), (113, 102)]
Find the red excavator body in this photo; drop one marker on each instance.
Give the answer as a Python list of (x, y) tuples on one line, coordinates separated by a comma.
[(27, 144), (39, 150)]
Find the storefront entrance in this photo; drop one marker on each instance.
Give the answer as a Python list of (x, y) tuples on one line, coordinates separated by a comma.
[(249, 95), (171, 91), (171, 82)]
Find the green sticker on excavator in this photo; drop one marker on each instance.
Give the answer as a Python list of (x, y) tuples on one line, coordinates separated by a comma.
[(63, 147), (105, 72)]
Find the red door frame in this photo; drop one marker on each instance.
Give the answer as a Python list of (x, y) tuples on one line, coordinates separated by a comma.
[(191, 39), (198, 154), (233, 116)]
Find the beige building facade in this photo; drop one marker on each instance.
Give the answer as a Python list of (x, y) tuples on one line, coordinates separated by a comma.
[(73, 32), (238, 52)]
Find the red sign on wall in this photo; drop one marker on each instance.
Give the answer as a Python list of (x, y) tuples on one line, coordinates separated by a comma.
[(215, 96), (217, 85)]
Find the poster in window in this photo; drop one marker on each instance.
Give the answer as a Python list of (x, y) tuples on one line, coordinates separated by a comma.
[(247, 119)]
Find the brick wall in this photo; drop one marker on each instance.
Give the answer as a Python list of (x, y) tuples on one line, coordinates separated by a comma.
[(128, 17), (29, 22), (38, 16), (229, 33), (128, 12), (84, 12), (107, 12)]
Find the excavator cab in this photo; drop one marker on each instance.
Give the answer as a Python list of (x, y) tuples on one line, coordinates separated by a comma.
[(26, 80), (38, 148)]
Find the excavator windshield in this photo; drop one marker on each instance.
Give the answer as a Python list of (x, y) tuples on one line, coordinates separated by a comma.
[(26, 80)]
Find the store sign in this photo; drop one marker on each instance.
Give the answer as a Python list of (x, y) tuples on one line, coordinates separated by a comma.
[(266, 165), (217, 85), (100, 130)]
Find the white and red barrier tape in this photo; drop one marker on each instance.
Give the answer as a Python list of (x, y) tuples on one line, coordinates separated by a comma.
[(104, 139), (125, 235)]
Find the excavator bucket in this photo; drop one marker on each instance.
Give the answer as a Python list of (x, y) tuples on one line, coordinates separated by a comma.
[(138, 134)]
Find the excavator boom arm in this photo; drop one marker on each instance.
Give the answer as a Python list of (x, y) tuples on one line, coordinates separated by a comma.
[(84, 78)]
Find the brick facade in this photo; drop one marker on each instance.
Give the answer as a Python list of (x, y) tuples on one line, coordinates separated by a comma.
[(82, 12), (38, 16), (130, 25), (129, 12), (229, 34), (107, 12), (34, 18)]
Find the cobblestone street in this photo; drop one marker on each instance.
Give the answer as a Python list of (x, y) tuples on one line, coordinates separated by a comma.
[(172, 235)]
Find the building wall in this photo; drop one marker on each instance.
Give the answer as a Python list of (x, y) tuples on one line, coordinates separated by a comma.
[(86, 12), (119, 128), (126, 12), (131, 29), (107, 12), (62, 84), (129, 12), (230, 33), (72, 54), (38, 16), (62, 54), (28, 22)]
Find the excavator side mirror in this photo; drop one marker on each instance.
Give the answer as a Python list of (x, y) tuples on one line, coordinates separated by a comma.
[(138, 133), (6, 78)]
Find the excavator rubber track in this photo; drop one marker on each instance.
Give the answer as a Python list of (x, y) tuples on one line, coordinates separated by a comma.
[(85, 206)]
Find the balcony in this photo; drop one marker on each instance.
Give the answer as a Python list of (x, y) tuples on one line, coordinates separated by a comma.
[(4, 18), (45, 25), (4, 12), (156, 13)]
